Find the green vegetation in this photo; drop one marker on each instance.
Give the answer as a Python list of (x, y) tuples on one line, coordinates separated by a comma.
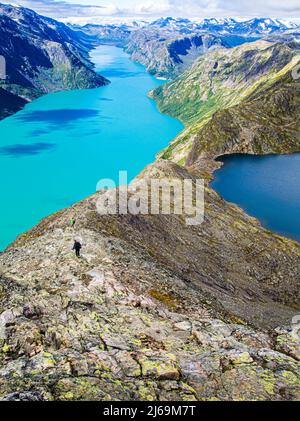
[(242, 100)]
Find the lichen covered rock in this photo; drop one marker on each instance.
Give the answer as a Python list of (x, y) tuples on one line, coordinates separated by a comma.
[(153, 310)]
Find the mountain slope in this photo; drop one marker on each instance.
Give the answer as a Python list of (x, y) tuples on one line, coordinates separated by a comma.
[(267, 122), (42, 56), (154, 310), (169, 46), (167, 55), (230, 89), (109, 34)]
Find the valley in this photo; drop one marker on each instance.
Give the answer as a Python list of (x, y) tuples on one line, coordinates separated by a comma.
[(62, 144)]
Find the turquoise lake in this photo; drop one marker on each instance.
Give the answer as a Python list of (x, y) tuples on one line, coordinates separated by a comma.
[(266, 187), (54, 152)]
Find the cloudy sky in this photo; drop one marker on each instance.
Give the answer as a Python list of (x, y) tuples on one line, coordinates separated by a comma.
[(93, 10)]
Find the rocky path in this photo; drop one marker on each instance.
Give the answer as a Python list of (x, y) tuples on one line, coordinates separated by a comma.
[(118, 324)]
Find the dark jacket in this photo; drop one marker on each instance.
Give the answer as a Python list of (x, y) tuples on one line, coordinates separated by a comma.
[(77, 246)]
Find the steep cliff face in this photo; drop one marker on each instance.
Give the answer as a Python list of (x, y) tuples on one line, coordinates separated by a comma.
[(240, 100), (167, 54), (41, 56), (154, 309)]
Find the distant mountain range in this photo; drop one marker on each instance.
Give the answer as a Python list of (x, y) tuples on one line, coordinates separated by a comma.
[(42, 55), (256, 26), (168, 46)]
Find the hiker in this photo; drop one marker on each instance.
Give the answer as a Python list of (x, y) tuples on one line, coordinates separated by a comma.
[(72, 222), (77, 247)]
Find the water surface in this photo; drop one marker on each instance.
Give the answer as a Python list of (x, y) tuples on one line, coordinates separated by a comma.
[(266, 187), (54, 152)]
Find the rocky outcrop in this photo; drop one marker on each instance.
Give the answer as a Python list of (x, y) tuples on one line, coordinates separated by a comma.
[(154, 309), (42, 56)]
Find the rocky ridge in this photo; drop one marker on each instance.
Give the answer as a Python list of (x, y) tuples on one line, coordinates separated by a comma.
[(154, 309)]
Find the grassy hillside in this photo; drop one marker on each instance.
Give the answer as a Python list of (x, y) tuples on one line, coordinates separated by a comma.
[(238, 100)]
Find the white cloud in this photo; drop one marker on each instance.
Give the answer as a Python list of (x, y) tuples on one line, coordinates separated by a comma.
[(96, 9)]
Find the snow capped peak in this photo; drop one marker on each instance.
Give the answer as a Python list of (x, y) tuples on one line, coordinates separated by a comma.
[(226, 25), (169, 21)]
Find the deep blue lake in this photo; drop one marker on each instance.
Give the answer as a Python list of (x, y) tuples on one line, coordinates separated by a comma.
[(266, 187), (54, 152)]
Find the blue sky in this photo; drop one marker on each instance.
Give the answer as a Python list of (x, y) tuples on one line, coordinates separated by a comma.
[(89, 10)]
